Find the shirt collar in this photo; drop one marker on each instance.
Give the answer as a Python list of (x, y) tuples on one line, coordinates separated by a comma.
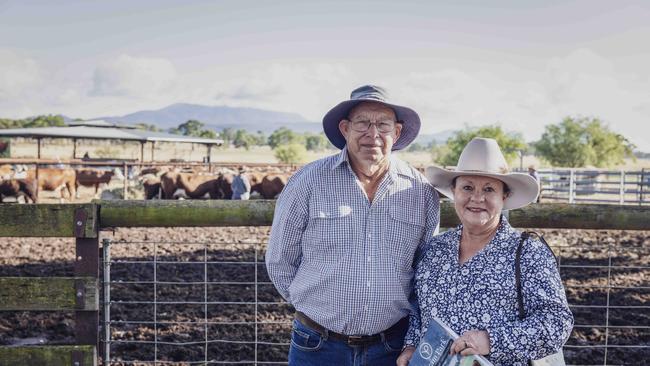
[(396, 167), (504, 230)]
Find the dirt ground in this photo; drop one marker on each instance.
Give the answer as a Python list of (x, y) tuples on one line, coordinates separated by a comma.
[(225, 258)]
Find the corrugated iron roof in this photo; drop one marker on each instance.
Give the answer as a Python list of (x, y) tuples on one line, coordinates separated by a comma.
[(105, 133)]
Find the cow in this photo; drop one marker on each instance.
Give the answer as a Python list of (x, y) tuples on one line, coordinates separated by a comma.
[(151, 186), (18, 188), (53, 179), (6, 171), (95, 178), (192, 185), (272, 185)]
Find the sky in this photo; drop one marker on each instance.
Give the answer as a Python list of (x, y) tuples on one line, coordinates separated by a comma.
[(521, 64)]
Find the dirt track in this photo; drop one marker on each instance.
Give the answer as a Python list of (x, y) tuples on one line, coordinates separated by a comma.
[(585, 255)]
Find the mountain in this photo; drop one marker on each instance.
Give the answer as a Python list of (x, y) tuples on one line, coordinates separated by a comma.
[(220, 117), (439, 137)]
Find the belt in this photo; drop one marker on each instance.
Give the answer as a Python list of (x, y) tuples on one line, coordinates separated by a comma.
[(353, 340)]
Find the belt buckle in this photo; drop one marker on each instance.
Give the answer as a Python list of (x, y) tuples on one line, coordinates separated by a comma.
[(355, 340)]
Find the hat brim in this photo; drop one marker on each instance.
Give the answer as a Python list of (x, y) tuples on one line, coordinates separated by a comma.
[(408, 117), (523, 188)]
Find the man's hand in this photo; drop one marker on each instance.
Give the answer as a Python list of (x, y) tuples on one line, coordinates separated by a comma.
[(405, 357), (472, 342)]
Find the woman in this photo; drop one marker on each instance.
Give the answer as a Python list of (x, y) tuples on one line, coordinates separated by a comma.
[(466, 276)]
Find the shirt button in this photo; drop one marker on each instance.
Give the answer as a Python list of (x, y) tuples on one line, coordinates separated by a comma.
[(365, 308), (368, 283), (369, 236), (368, 258)]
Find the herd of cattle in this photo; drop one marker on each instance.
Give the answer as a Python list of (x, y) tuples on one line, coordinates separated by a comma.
[(157, 182)]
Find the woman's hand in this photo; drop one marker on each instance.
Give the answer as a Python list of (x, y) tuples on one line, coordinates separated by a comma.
[(405, 357), (472, 342)]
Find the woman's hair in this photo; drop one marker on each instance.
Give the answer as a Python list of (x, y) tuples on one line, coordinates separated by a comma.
[(506, 189)]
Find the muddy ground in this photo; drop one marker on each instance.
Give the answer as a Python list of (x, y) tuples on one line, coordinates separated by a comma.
[(590, 260)]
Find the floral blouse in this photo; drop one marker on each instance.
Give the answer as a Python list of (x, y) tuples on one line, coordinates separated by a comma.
[(481, 294)]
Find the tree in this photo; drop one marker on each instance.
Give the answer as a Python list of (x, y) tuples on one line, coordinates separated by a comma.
[(577, 142), (316, 141), (38, 121), (243, 139), (260, 139), (208, 134), (509, 142), (283, 136), (227, 134), (147, 127), (193, 128), (190, 128), (292, 153)]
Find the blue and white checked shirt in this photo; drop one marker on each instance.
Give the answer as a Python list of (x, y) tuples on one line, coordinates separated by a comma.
[(344, 262)]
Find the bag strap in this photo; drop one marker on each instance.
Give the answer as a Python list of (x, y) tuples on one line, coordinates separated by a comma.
[(520, 297)]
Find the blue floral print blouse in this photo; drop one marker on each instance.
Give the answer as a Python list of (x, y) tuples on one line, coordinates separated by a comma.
[(481, 294)]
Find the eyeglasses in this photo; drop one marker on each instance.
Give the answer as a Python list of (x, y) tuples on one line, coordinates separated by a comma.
[(364, 125)]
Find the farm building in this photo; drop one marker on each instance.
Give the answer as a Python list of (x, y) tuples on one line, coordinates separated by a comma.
[(102, 139)]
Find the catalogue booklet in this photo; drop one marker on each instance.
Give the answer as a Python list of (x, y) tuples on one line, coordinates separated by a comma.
[(433, 349)]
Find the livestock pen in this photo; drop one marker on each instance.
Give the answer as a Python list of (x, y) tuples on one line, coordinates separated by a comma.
[(197, 292)]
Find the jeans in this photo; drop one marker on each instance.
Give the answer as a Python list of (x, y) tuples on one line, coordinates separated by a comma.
[(309, 348)]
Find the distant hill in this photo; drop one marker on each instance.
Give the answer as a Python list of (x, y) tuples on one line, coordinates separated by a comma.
[(220, 117), (439, 137)]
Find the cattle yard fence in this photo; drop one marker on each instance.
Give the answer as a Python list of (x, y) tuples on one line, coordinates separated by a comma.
[(195, 301), (596, 186), (624, 187)]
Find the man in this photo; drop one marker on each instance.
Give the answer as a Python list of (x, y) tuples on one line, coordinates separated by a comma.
[(241, 187), (345, 232), (532, 171)]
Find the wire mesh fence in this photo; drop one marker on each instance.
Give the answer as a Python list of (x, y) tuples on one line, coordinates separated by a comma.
[(198, 302)]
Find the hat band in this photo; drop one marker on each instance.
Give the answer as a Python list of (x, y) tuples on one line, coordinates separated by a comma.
[(366, 95)]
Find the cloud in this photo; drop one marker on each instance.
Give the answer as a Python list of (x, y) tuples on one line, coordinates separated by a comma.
[(309, 89), (130, 76), (19, 75)]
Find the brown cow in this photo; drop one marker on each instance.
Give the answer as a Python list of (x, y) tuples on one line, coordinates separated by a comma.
[(193, 185), (52, 179), (6, 171), (93, 178), (17, 188), (151, 186), (272, 185)]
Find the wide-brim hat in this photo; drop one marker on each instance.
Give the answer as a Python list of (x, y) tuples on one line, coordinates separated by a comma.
[(371, 93), (483, 157)]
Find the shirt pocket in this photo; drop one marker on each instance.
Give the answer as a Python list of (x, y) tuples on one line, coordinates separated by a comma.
[(329, 234), (403, 235)]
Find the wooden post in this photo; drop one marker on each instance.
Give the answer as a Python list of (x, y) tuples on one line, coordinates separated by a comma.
[(125, 192), (621, 188), (153, 146), (641, 186), (74, 148), (36, 189), (571, 186), (38, 148), (86, 264), (142, 151)]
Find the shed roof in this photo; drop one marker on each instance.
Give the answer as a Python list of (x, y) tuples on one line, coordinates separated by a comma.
[(104, 133)]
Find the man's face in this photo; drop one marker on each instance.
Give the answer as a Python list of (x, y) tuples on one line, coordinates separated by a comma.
[(372, 145)]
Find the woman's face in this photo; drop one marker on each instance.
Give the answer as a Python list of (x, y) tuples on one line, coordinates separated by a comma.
[(478, 201)]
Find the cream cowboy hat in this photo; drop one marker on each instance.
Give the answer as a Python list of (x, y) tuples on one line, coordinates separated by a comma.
[(483, 157)]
